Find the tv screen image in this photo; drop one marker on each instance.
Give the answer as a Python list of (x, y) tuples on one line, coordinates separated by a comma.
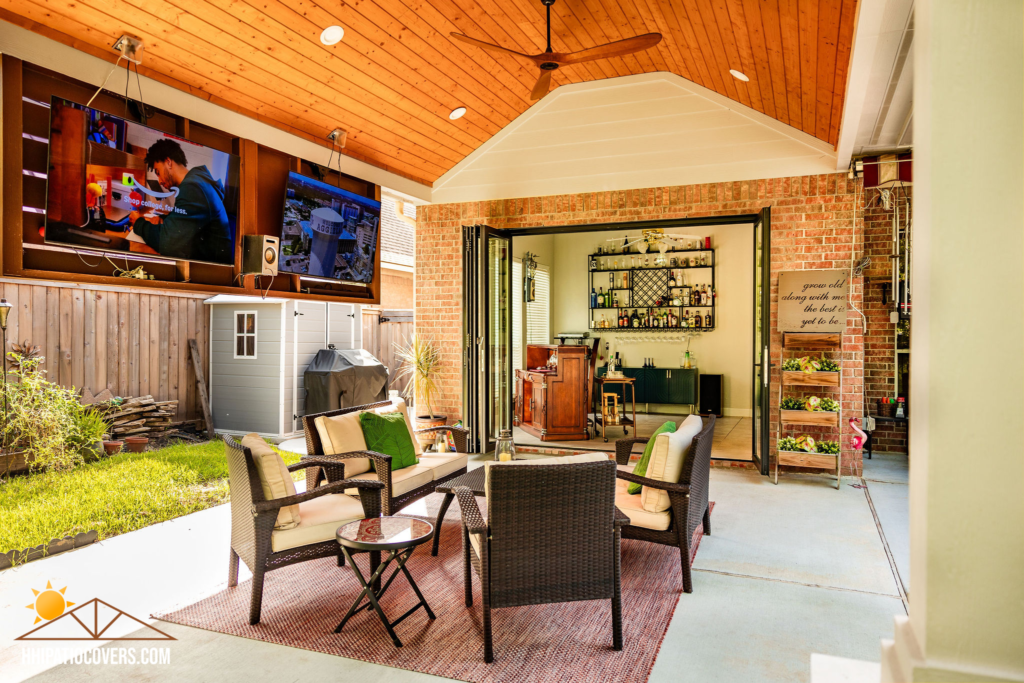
[(115, 185), (328, 232)]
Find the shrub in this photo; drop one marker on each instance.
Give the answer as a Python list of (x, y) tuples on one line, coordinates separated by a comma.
[(828, 447), (47, 420), (829, 405), (790, 403), (787, 443), (828, 365), (791, 365)]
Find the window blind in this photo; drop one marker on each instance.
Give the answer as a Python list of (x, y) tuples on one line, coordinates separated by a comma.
[(538, 312), (517, 315)]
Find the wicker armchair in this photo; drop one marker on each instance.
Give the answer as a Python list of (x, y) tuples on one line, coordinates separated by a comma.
[(334, 470), (689, 497), (253, 518), (551, 535)]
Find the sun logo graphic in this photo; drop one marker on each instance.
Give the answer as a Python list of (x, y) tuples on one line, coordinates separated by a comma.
[(91, 620), (49, 604)]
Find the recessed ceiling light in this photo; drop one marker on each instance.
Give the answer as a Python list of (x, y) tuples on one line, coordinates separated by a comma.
[(332, 35), (739, 75), (457, 113)]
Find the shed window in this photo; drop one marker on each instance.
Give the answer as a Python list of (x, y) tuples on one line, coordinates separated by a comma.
[(245, 334)]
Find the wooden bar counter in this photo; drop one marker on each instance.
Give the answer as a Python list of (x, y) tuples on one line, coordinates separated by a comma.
[(551, 401)]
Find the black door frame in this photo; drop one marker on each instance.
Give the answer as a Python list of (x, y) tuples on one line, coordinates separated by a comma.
[(475, 342)]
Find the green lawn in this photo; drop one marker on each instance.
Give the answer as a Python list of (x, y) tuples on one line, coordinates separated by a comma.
[(115, 495)]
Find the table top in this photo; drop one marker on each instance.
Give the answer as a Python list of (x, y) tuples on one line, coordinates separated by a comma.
[(613, 380), (473, 480), (385, 533)]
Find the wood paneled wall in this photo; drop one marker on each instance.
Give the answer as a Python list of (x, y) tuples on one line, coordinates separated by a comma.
[(131, 341)]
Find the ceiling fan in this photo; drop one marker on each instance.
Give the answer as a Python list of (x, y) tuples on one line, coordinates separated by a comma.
[(549, 61)]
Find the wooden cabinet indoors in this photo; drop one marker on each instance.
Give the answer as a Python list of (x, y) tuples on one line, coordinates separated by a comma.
[(551, 400)]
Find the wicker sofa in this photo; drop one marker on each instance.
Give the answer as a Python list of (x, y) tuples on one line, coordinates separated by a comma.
[(669, 511), (551, 535), (335, 440)]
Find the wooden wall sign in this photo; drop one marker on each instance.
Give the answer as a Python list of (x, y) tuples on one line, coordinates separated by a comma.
[(813, 300)]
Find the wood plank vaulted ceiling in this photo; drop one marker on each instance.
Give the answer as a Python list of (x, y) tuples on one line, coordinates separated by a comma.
[(397, 74)]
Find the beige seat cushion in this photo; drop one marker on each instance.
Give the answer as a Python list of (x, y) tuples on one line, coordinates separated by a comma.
[(632, 507), (444, 464), (275, 479), (666, 463), (344, 434), (321, 518), (560, 460), (402, 481)]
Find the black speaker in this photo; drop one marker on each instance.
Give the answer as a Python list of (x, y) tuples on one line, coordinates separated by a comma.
[(710, 395)]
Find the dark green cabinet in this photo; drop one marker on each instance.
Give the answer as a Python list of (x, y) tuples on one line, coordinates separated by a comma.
[(657, 385)]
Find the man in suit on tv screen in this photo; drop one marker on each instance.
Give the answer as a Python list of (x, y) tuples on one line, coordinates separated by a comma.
[(197, 227)]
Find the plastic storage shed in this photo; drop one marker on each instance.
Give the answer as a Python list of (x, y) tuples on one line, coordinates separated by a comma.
[(337, 378)]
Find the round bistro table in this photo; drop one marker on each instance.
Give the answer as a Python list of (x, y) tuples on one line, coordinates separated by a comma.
[(398, 537)]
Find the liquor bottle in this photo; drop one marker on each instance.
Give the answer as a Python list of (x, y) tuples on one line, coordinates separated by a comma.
[(671, 280), (593, 263), (634, 320), (600, 297), (615, 299), (707, 320), (593, 298), (703, 296), (695, 322), (625, 280)]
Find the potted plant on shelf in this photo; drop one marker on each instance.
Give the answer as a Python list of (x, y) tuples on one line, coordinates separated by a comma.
[(421, 363)]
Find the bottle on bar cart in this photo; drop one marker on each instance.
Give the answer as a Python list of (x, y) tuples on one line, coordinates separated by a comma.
[(707, 320)]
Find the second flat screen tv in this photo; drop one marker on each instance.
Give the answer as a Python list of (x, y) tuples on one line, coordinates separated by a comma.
[(328, 232), (116, 185)]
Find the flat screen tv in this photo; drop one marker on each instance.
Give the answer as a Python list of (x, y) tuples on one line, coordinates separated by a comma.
[(328, 232), (115, 185)]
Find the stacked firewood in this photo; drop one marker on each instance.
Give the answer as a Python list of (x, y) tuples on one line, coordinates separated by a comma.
[(141, 416)]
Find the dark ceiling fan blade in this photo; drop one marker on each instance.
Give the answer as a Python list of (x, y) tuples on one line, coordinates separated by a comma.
[(488, 46), (543, 85), (616, 49)]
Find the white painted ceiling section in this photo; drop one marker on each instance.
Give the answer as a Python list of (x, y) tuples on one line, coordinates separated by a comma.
[(645, 130), (878, 116), (37, 49)]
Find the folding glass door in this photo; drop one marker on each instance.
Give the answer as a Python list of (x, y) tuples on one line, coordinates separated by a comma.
[(487, 335)]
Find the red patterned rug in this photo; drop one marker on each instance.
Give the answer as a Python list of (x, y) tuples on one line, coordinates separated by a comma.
[(551, 643)]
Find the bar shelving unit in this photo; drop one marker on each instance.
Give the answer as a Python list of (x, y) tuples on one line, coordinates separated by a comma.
[(646, 285)]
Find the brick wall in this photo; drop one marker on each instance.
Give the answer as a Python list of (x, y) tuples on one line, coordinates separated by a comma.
[(817, 222), (880, 339)]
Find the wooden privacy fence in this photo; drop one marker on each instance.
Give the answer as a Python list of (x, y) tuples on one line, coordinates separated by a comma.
[(131, 341), (382, 329)]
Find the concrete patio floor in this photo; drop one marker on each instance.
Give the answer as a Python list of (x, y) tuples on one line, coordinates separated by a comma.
[(790, 570)]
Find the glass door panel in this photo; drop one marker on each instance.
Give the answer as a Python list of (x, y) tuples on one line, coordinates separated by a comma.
[(499, 334), (762, 333)]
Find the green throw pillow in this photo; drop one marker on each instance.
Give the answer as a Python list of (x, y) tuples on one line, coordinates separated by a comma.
[(388, 434), (641, 467)]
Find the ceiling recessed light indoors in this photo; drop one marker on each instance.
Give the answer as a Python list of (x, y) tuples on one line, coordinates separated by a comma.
[(739, 75), (457, 113), (332, 35)]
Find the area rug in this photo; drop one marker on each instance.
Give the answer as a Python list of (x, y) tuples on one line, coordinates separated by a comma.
[(547, 643)]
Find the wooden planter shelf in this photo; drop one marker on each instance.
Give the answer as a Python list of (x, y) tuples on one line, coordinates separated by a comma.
[(807, 340), (797, 342), (817, 418), (822, 461), (797, 378)]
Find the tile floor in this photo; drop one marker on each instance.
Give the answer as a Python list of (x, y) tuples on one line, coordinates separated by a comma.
[(790, 570), (732, 436)]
